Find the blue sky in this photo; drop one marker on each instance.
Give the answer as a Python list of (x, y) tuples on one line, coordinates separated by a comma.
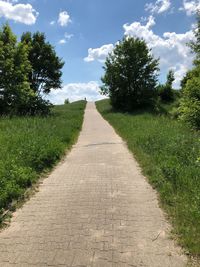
[(84, 31)]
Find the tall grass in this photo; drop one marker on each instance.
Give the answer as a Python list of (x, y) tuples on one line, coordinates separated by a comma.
[(29, 145), (167, 152)]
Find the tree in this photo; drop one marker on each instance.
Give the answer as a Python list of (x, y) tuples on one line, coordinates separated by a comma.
[(189, 109), (46, 65), (195, 45), (190, 103), (195, 49), (165, 91), (22, 91), (7, 51), (170, 78), (14, 67), (28, 69), (66, 102), (130, 75)]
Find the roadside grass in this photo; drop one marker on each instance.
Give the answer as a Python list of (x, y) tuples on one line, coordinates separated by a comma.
[(168, 154), (31, 145)]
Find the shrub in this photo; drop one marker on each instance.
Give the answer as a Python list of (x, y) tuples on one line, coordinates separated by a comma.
[(190, 103), (165, 93)]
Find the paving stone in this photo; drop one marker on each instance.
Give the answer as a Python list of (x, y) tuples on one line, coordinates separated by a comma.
[(94, 210)]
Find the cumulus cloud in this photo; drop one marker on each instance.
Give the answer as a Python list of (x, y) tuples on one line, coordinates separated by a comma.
[(76, 91), (99, 54), (64, 18), (158, 7), (23, 13), (190, 7), (171, 47)]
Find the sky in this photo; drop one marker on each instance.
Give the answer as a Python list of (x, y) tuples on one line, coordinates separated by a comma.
[(83, 32)]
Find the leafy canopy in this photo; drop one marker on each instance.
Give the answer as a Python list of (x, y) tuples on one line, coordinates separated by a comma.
[(14, 67), (28, 70), (46, 65), (165, 91), (190, 103), (130, 75)]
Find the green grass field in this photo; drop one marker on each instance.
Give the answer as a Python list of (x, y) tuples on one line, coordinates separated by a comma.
[(30, 145), (167, 152)]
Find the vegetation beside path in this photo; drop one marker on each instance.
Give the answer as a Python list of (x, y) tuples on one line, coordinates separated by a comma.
[(31, 145), (168, 153)]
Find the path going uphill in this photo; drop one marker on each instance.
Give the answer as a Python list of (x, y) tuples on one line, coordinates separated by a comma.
[(95, 209)]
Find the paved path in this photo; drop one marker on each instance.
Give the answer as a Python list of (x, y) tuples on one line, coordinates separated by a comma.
[(95, 210)]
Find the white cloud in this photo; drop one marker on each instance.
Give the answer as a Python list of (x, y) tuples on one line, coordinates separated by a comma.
[(66, 38), (23, 13), (62, 41), (76, 91), (159, 6), (171, 48), (190, 7), (52, 22), (99, 54), (64, 18)]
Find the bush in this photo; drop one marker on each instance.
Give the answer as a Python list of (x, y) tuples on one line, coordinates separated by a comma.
[(165, 93), (190, 103)]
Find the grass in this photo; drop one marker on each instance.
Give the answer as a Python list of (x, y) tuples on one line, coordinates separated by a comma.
[(167, 152), (31, 145)]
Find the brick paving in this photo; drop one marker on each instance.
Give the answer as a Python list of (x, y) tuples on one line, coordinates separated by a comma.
[(95, 209)]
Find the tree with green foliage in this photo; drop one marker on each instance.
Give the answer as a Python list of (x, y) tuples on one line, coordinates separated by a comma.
[(14, 67), (130, 75), (28, 70), (195, 45), (170, 78), (46, 65), (189, 109), (7, 51), (66, 102), (165, 91)]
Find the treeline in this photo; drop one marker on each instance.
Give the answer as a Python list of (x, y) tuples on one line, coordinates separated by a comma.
[(29, 69), (131, 81)]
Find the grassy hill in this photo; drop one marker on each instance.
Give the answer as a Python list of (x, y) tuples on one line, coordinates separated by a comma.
[(30, 145), (168, 153)]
